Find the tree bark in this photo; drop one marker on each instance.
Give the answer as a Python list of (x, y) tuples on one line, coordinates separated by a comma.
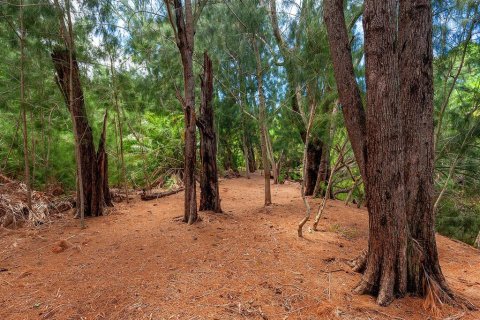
[(416, 100), (386, 269), (263, 126), (251, 157), (209, 194), (402, 255), (94, 177), (349, 94), (313, 160), (184, 34)]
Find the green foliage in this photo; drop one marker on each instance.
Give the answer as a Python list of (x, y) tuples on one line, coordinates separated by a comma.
[(128, 59), (459, 218)]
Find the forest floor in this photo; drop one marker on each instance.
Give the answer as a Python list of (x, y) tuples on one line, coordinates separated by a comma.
[(141, 262)]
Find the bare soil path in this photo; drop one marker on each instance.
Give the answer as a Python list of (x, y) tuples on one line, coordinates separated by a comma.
[(140, 262)]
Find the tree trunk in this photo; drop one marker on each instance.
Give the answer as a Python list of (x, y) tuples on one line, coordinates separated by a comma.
[(323, 172), (271, 157), (263, 125), (209, 194), (313, 160), (402, 256), (24, 111), (386, 269), (92, 181), (416, 98), (184, 33), (349, 94), (477, 241), (120, 129), (251, 157), (228, 161), (242, 103)]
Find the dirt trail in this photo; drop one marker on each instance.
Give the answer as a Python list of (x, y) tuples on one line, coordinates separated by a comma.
[(142, 263)]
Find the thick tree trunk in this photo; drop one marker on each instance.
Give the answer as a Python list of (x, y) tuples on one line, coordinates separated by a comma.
[(209, 194), (94, 176), (348, 91), (400, 136), (386, 268), (416, 96)]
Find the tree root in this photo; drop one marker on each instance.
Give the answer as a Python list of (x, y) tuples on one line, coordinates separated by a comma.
[(438, 294), (359, 263)]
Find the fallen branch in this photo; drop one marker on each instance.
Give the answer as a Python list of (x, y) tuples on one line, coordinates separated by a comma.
[(157, 195)]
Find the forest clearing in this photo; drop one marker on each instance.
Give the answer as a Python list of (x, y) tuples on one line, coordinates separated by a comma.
[(240, 159), (246, 263)]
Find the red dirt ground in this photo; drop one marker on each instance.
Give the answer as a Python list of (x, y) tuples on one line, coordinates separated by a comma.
[(140, 262)]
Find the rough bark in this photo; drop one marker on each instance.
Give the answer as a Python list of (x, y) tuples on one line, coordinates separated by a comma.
[(386, 270), (184, 34), (401, 137), (416, 100), (158, 195), (209, 194), (94, 177), (313, 160), (349, 94)]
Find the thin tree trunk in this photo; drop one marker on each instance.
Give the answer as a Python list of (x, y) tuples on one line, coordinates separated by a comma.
[(314, 147), (120, 129), (349, 94), (33, 152), (271, 157), (262, 123), (304, 162), (455, 77), (329, 185), (184, 34), (251, 157), (24, 110), (209, 195), (242, 103)]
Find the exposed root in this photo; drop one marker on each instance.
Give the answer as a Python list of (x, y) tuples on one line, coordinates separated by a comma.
[(364, 287), (359, 263), (436, 295)]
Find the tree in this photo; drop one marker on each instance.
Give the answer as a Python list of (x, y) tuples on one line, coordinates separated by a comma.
[(316, 152), (262, 123), (402, 256), (349, 94), (209, 195), (21, 37), (92, 167), (184, 30)]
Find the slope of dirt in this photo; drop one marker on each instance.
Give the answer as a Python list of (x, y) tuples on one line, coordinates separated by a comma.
[(140, 262)]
